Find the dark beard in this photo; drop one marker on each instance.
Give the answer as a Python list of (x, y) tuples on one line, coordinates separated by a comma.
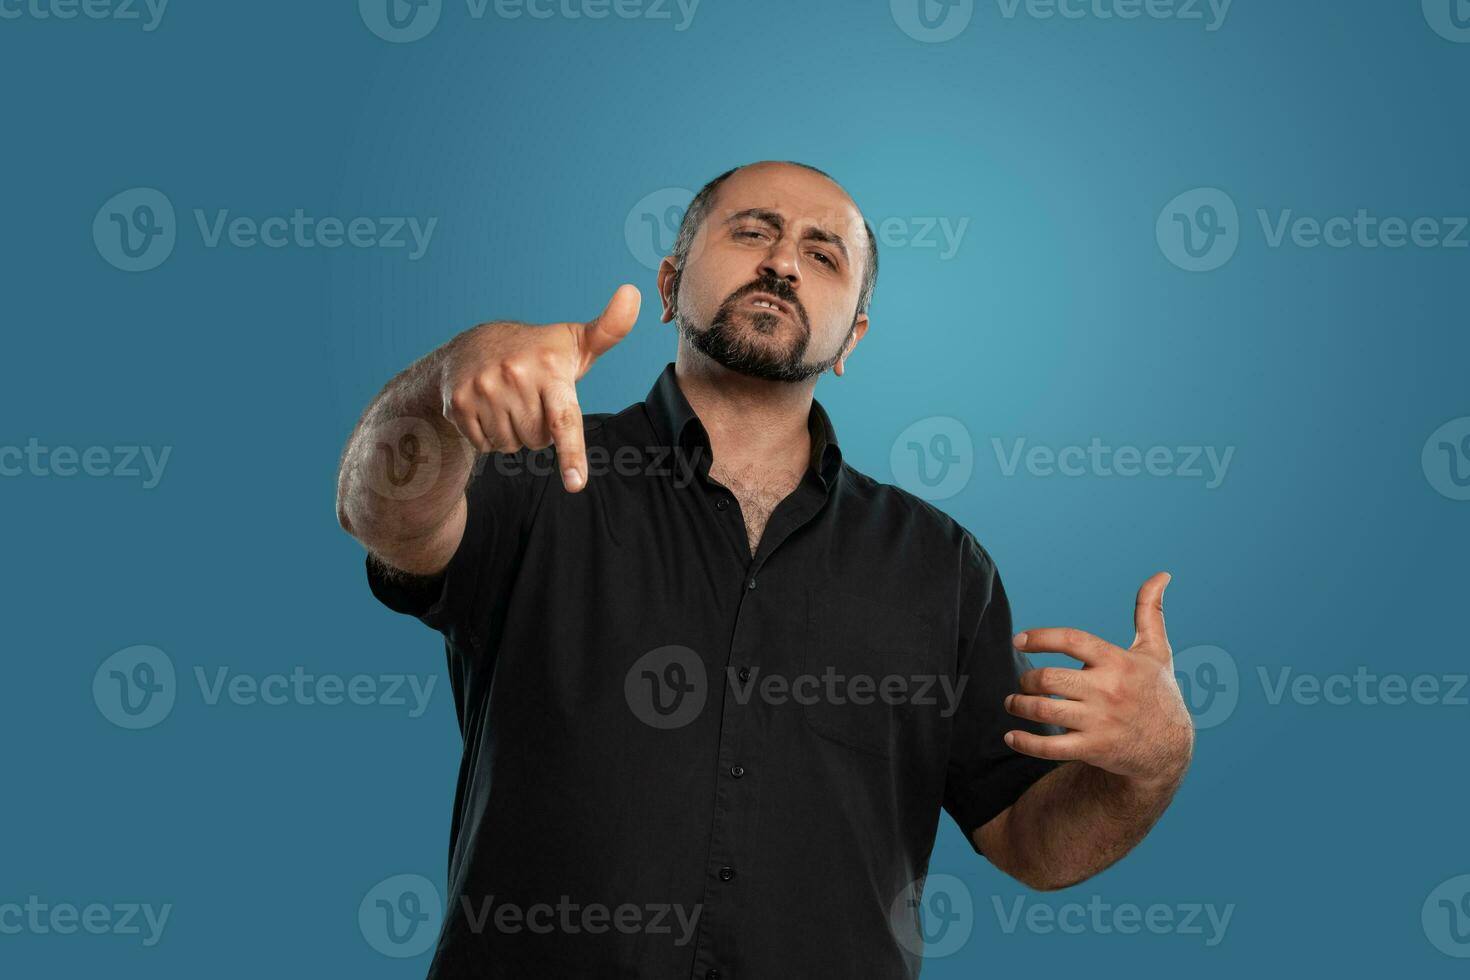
[(722, 341)]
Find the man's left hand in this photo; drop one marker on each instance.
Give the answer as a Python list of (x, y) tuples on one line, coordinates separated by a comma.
[(1123, 710)]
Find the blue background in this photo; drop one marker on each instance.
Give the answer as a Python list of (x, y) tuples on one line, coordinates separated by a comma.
[(1060, 318)]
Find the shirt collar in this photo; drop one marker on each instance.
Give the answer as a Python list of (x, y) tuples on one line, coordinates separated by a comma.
[(678, 427)]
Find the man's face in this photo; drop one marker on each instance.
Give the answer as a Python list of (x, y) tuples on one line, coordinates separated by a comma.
[(771, 285)]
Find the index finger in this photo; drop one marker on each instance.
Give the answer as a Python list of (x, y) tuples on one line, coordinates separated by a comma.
[(563, 417), (1089, 649)]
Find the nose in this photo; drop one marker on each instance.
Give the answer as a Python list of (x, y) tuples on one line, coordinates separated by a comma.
[(780, 262)]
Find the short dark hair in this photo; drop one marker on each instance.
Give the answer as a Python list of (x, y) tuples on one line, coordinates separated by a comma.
[(699, 209)]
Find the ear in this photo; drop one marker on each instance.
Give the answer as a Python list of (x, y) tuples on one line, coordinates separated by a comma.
[(859, 328), (668, 288)]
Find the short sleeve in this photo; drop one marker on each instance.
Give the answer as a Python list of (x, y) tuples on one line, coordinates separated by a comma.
[(499, 499), (984, 775)]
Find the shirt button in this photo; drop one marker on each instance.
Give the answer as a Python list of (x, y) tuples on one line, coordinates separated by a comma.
[(737, 771), (722, 503), (711, 975), (726, 874), (745, 673), (751, 583)]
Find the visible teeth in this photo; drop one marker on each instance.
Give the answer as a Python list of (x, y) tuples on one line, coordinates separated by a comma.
[(761, 302)]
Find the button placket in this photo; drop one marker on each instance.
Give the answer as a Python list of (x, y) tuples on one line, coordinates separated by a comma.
[(728, 826), (721, 901)]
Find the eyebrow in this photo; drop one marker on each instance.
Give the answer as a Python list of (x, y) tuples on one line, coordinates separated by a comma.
[(774, 219)]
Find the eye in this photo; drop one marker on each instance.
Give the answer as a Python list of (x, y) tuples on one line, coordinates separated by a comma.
[(749, 231), (826, 259)]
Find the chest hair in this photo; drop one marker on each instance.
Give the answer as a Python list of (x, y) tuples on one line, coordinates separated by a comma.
[(758, 492)]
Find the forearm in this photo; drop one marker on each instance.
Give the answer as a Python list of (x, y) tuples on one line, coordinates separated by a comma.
[(1073, 823), (405, 467)]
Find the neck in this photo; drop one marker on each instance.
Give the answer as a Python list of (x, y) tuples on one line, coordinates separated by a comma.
[(753, 424)]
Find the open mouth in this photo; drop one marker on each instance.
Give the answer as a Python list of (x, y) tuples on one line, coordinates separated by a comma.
[(768, 303)]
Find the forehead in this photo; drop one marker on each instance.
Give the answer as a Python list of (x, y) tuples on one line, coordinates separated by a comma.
[(802, 197)]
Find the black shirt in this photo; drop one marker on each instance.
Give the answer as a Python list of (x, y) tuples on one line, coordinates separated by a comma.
[(684, 762)]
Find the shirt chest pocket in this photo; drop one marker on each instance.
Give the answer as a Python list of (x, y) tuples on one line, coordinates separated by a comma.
[(869, 672)]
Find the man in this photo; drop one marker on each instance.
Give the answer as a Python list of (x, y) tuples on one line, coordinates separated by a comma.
[(716, 685)]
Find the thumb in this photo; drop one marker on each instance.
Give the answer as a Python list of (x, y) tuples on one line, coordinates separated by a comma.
[(611, 325), (1148, 612)]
